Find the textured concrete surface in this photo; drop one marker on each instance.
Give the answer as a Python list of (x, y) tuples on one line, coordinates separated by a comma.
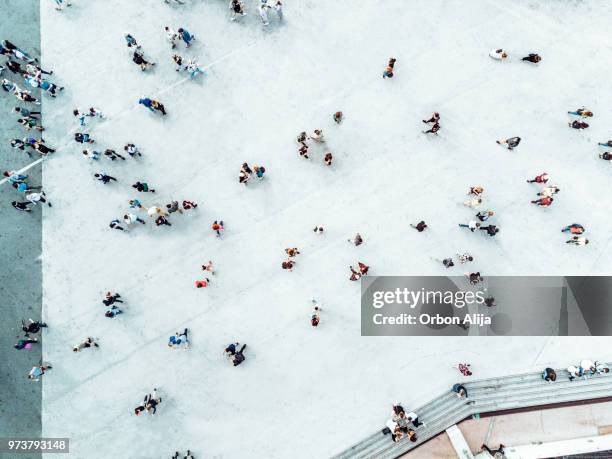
[(20, 247)]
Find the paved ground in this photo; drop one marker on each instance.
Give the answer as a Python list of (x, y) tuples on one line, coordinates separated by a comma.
[(524, 428), (20, 248)]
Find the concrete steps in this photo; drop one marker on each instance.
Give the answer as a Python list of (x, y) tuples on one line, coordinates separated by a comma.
[(485, 396)]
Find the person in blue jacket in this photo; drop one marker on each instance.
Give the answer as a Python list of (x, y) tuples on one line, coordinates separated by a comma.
[(152, 104), (23, 187), (186, 36), (131, 41), (14, 177), (179, 340), (259, 171), (83, 138)]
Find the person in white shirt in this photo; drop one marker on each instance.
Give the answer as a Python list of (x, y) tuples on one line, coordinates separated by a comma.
[(131, 218), (171, 36), (472, 225), (35, 198), (498, 54), (263, 13)]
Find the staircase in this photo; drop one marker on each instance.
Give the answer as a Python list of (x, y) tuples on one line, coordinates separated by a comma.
[(522, 391)]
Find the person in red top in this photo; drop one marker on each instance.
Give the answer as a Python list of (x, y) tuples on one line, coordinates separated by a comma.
[(288, 265), (574, 228), (202, 283), (545, 201), (542, 178), (217, 227)]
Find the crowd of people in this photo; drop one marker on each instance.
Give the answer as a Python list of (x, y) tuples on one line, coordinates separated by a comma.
[(582, 370), (28, 72)]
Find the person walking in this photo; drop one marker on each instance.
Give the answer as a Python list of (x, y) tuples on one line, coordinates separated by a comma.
[(111, 298), (542, 178), (32, 326), (239, 356), (152, 105), (578, 240), (143, 187), (543, 202), (87, 343), (388, 73), (549, 375), (104, 178), (131, 218), (35, 198), (472, 225), (25, 343), (151, 401), (574, 228), (187, 37), (113, 155), (22, 206), (532, 57), (420, 227), (37, 371), (114, 311), (510, 143), (179, 340)]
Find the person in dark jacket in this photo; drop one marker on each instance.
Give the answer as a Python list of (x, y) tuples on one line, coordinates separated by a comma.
[(606, 156), (138, 58), (22, 206), (576, 124), (460, 390), (40, 147), (511, 143), (111, 298), (104, 178), (420, 227), (14, 67), (83, 138), (151, 401), (549, 375), (532, 57), (152, 105), (230, 350), (143, 187), (491, 230), (239, 357), (32, 326)]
